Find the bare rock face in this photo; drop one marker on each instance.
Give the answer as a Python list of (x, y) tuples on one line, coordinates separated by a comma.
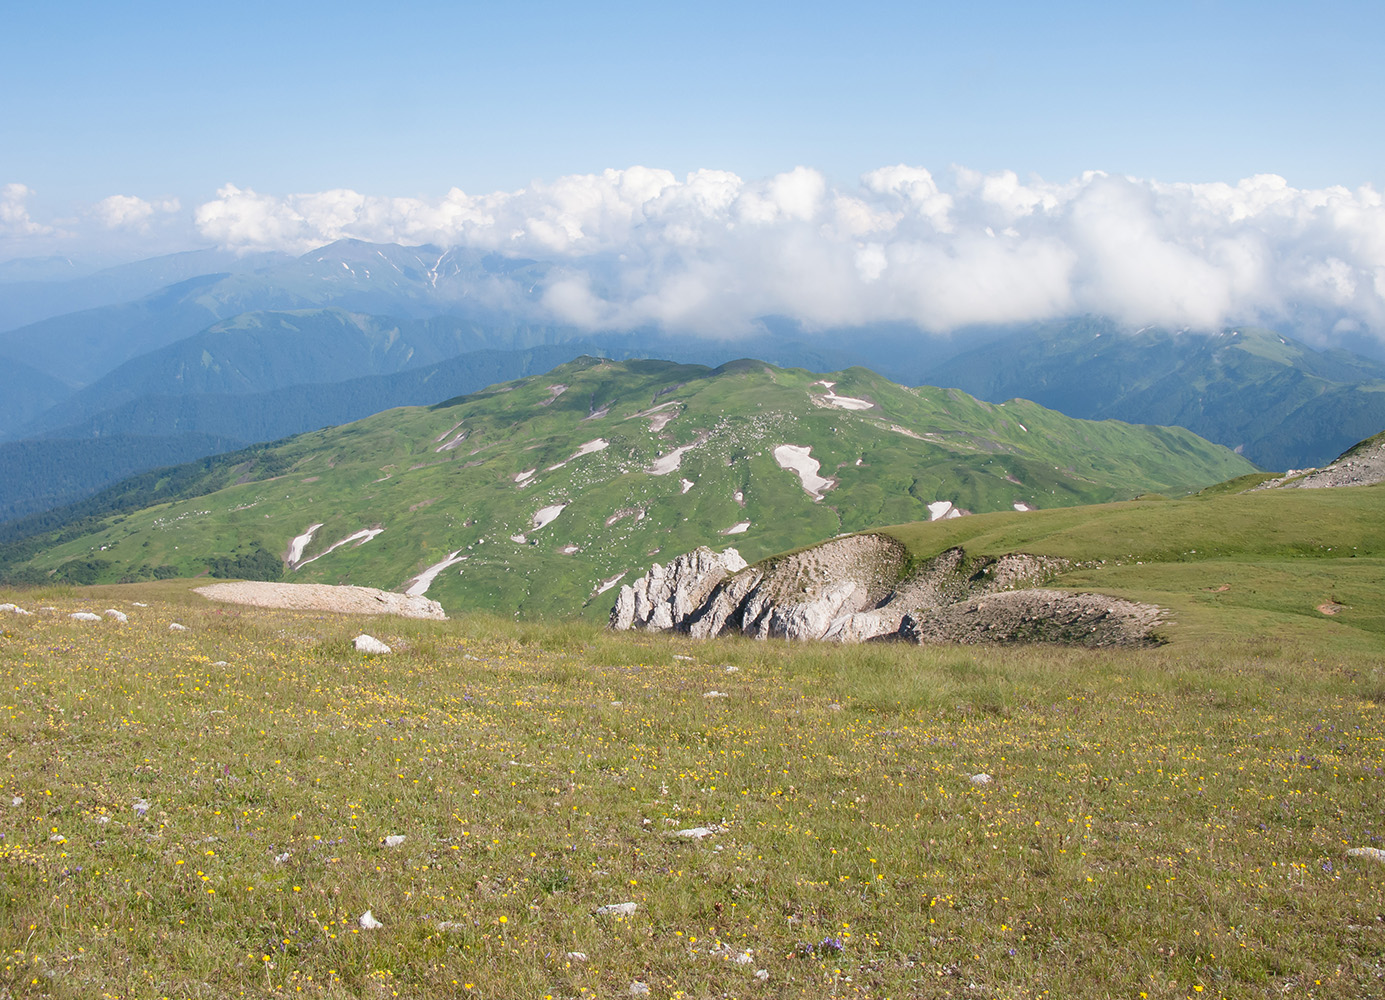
[(1035, 615), (668, 595), (855, 589)]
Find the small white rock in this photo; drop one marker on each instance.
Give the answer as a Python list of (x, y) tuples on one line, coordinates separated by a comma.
[(370, 644), (58, 838), (84, 616), (394, 840), (119, 616), (17, 801), (616, 910), (1373, 853), (577, 956), (221, 663), (368, 921), (762, 974), (639, 989), (279, 859), (141, 807), (715, 694), (981, 779), (177, 627), (139, 604), (695, 833), (678, 656), (730, 669), (102, 820), (451, 925)]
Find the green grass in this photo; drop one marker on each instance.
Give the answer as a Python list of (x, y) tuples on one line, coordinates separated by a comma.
[(889, 463), (1170, 822)]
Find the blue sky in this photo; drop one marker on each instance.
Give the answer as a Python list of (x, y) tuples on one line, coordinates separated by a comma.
[(162, 100), (698, 166)]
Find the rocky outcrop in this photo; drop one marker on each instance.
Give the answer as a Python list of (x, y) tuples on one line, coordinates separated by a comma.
[(858, 588), (1035, 615), (1363, 465), (667, 596)]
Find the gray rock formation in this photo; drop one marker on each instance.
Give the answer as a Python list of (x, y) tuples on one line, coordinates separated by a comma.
[(855, 589)]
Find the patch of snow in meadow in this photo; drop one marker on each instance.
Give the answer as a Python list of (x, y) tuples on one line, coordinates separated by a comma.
[(606, 585), (686, 484), (360, 538), (424, 580), (522, 477), (738, 529), (591, 447), (299, 543), (665, 464), (798, 459), (942, 510), (546, 515)]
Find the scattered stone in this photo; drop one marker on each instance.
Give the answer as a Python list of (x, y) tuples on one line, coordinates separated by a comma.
[(981, 779), (221, 663), (730, 669), (394, 840), (119, 616), (368, 921), (14, 609), (58, 838), (17, 801), (616, 910), (369, 644), (762, 975), (639, 989), (279, 859), (84, 616), (451, 925), (696, 832), (577, 956), (715, 694), (678, 656), (139, 604), (1373, 853), (177, 627)]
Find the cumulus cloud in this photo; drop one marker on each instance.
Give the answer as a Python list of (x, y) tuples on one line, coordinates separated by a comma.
[(712, 252), (14, 212), (124, 211)]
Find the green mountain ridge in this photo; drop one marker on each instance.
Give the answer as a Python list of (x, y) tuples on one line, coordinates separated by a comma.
[(533, 497), (1277, 401)]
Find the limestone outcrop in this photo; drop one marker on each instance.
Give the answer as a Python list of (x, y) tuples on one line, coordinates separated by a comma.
[(859, 588)]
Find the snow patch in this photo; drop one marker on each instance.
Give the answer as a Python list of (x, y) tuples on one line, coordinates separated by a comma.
[(568, 550), (547, 514), (943, 510), (738, 529), (1020, 505), (522, 477), (591, 447), (665, 464), (452, 443), (519, 539), (658, 416), (844, 402), (606, 585), (797, 459), (360, 538), (299, 543), (420, 584), (687, 484)]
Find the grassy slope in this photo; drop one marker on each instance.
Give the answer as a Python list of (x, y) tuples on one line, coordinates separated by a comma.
[(1168, 822), (1279, 554), (386, 471)]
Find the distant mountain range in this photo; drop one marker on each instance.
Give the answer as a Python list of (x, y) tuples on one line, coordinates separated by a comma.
[(164, 359), (533, 496)]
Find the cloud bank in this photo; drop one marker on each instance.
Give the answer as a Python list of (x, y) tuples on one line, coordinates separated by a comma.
[(710, 253)]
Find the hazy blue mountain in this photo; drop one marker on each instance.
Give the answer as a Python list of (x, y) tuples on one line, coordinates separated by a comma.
[(34, 289), (36, 476), (25, 393), (1276, 401)]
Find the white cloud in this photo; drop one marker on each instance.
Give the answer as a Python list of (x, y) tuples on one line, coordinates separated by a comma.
[(124, 211), (711, 252), (14, 212)]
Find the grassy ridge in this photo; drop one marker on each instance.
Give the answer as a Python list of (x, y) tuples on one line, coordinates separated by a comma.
[(911, 448), (1223, 562), (1167, 822)]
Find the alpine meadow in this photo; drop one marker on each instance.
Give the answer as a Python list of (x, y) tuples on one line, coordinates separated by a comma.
[(878, 501)]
